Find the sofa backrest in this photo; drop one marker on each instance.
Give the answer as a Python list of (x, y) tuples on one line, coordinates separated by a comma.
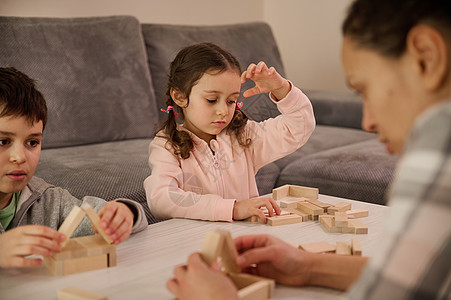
[(248, 42), (92, 71)]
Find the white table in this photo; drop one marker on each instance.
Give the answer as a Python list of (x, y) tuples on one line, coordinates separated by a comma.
[(146, 260)]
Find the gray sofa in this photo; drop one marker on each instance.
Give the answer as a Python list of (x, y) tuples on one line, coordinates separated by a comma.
[(104, 80)]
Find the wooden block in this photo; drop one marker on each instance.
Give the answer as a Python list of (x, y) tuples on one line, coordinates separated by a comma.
[(339, 207), (340, 219), (291, 203), (281, 192), (357, 213), (84, 246), (347, 229), (327, 224), (252, 287), (84, 264), (356, 248), (305, 217), (310, 209), (303, 191), (71, 223), (323, 205), (319, 247), (95, 220), (54, 266), (219, 243), (343, 248), (360, 228), (73, 293), (284, 220)]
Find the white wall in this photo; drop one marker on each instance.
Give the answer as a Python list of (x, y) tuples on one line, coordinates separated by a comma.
[(307, 31)]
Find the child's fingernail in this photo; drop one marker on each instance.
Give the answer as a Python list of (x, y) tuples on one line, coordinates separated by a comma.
[(240, 260)]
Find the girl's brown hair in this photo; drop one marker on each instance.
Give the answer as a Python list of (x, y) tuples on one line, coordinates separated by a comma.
[(186, 69)]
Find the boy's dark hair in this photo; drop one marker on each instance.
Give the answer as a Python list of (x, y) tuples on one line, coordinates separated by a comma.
[(19, 97), (186, 69), (383, 25)]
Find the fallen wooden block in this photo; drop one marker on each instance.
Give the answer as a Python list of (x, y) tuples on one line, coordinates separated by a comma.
[(356, 248), (340, 219), (357, 213), (359, 227), (281, 192), (284, 220), (339, 207), (73, 293), (343, 248), (291, 203), (310, 209), (323, 205), (319, 247), (305, 217)]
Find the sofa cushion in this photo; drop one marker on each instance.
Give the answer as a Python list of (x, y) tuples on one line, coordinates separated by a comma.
[(343, 109), (247, 42), (92, 71), (106, 170), (359, 171), (325, 138)]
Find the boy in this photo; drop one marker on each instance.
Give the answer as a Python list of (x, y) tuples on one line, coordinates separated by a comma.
[(28, 200)]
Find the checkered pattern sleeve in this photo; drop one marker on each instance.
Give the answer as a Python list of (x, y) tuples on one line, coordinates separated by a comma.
[(414, 259)]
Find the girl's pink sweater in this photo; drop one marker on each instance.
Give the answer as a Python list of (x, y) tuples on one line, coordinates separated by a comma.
[(207, 184)]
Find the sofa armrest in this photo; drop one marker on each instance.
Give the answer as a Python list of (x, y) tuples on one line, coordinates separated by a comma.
[(343, 109)]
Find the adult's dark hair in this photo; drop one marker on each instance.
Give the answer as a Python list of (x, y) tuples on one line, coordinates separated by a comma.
[(186, 69), (383, 25), (19, 97)]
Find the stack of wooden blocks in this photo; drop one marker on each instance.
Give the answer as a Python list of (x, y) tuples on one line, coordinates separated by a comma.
[(305, 206), (82, 254), (219, 245)]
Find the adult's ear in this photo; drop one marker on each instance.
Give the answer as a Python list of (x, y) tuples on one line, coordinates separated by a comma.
[(430, 52), (178, 98)]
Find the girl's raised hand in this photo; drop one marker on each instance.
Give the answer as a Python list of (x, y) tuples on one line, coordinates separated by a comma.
[(266, 80), (251, 207)]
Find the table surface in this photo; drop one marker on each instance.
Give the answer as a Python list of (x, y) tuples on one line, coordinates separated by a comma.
[(146, 260)]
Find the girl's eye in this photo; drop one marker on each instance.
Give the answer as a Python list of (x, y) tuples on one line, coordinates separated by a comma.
[(4, 142), (211, 100), (33, 143), (232, 101)]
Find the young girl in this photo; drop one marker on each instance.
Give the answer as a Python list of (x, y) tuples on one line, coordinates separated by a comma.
[(205, 168)]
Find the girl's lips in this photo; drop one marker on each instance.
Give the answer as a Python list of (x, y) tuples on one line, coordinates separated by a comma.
[(16, 177), (219, 123)]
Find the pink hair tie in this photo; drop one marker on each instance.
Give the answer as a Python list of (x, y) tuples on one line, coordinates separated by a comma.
[(169, 108), (239, 105)]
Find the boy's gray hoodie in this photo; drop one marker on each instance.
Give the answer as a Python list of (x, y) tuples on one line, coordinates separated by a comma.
[(41, 203)]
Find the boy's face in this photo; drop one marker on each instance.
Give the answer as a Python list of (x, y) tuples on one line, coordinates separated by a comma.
[(20, 149)]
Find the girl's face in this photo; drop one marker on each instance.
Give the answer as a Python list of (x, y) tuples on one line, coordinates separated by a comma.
[(388, 87), (212, 103)]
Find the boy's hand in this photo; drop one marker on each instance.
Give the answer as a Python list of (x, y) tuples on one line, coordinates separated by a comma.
[(17, 243), (266, 80), (117, 221), (251, 207), (198, 281)]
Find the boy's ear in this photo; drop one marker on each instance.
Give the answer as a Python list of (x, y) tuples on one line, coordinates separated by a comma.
[(178, 98), (430, 51)]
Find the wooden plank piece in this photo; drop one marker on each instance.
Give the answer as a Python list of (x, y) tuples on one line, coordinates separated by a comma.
[(95, 220), (340, 219), (71, 223), (303, 191), (310, 209), (74, 293), (281, 192), (284, 220), (356, 248), (357, 213), (360, 228), (343, 248), (318, 247)]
